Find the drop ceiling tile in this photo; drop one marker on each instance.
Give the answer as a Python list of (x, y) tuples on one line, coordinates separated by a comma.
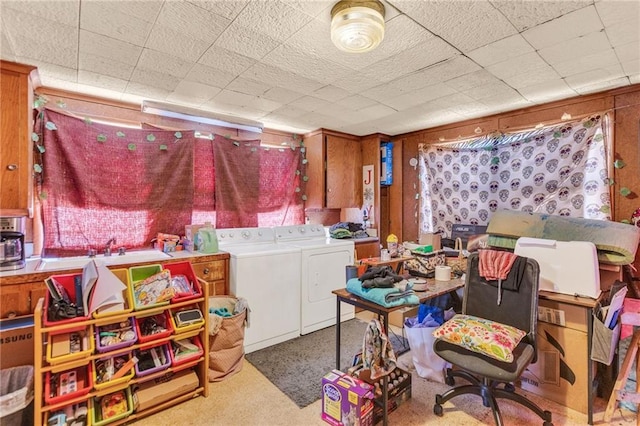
[(499, 104), (120, 20), (273, 18), (249, 87), (226, 60), (500, 50), (147, 77), (376, 111), (547, 92), (312, 7), (357, 83), (101, 80), (234, 110), (209, 76), (304, 64), (513, 72), (289, 111), (596, 75), (575, 48), (494, 88), (587, 62), (52, 72), (109, 48), (469, 109), (478, 78), (356, 102), (176, 43), (331, 93), (50, 81), (601, 86), (230, 97), (246, 41), (627, 52), (635, 78), (163, 63), (6, 49), (527, 14), (310, 103), (147, 92), (281, 78), (279, 94), (50, 42), (411, 60), (107, 66), (566, 27), (192, 92), (615, 12), (227, 8), (192, 20), (624, 32), (418, 97), (452, 20), (337, 111), (66, 13)]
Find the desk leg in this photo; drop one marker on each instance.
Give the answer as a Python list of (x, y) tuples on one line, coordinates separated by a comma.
[(338, 324), (385, 380)]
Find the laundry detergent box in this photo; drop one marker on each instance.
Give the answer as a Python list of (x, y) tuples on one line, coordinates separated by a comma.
[(346, 400)]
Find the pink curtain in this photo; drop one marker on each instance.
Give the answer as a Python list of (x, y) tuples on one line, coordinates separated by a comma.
[(102, 182)]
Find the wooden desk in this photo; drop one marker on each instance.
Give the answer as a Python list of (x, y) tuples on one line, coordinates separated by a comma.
[(435, 289)]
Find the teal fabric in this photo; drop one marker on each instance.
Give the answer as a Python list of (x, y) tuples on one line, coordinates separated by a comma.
[(379, 295)]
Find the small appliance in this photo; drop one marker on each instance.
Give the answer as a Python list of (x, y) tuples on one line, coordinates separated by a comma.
[(12, 243)]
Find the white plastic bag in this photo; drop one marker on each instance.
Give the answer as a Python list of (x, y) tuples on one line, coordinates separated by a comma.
[(427, 363)]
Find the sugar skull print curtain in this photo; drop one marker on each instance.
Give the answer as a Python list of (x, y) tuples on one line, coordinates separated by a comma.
[(560, 170)]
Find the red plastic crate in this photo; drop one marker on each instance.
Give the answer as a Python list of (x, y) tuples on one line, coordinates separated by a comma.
[(163, 317), (181, 360), (186, 269), (67, 282), (83, 380)]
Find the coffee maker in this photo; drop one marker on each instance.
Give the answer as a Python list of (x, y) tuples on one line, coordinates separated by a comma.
[(12, 243)]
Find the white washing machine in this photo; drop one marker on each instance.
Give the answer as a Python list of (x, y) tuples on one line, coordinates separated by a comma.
[(323, 269), (268, 276)]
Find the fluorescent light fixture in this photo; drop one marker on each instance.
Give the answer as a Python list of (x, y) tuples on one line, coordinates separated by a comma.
[(200, 116), (357, 26)]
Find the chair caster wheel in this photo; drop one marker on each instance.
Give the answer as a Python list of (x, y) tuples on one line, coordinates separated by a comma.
[(437, 410), (509, 387), (449, 380)]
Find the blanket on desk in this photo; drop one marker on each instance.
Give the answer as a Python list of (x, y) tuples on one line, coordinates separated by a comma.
[(387, 297)]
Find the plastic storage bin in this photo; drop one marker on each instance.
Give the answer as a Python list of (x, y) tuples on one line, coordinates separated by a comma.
[(186, 327), (193, 288), (152, 359), (111, 407), (16, 395), (145, 296), (154, 327), (182, 354), (104, 367), (68, 384), (67, 282), (123, 275), (63, 346), (116, 336)]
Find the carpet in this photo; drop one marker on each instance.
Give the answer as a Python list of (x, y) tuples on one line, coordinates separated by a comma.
[(297, 366)]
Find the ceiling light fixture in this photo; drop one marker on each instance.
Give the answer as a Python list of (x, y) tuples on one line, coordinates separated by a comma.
[(199, 116), (357, 26)]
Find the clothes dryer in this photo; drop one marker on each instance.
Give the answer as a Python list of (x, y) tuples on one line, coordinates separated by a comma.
[(323, 269), (268, 276)]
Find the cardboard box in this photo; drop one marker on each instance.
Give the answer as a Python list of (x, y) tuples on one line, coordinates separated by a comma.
[(164, 388), (398, 316), (560, 373), (434, 240), (16, 342), (346, 400)]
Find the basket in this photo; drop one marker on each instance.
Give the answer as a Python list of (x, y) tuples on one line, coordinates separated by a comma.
[(116, 336), (121, 407), (56, 382), (424, 264), (458, 264), (123, 275)]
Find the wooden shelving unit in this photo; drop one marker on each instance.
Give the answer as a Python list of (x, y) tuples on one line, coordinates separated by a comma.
[(41, 333)]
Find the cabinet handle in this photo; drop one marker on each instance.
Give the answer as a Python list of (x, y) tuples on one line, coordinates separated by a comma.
[(206, 271), (12, 167)]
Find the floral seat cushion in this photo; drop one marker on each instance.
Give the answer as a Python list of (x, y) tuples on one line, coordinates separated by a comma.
[(481, 335)]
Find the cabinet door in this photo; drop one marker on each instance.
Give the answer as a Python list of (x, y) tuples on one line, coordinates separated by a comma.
[(14, 300), (215, 274), (344, 172), (15, 141)]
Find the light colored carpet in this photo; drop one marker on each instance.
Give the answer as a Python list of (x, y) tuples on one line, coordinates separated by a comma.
[(248, 398)]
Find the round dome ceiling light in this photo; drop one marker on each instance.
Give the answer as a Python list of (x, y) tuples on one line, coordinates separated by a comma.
[(357, 25)]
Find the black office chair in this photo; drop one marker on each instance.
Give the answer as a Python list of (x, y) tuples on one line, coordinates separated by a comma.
[(516, 308)]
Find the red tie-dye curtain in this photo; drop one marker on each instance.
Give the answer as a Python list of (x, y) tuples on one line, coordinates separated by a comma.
[(101, 182)]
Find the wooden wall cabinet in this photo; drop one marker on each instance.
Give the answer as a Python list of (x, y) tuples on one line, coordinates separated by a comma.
[(334, 170), (16, 152), (214, 272)]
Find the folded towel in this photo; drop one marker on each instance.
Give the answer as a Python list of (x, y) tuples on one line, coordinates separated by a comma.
[(379, 296)]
